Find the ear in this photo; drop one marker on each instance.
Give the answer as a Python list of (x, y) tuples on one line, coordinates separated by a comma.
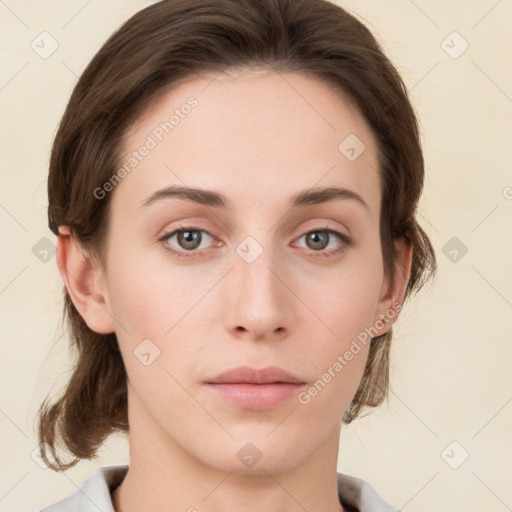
[(392, 292), (84, 280)]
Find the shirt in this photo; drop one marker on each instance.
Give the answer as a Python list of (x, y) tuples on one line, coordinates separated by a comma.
[(95, 495)]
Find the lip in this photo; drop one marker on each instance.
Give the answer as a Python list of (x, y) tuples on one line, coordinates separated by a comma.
[(255, 389), (248, 375)]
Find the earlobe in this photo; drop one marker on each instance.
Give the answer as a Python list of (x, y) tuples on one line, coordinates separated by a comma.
[(82, 278), (392, 293)]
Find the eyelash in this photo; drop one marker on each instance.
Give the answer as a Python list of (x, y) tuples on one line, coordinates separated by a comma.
[(346, 242)]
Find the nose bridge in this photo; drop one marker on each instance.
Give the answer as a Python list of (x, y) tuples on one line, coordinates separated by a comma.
[(254, 264)]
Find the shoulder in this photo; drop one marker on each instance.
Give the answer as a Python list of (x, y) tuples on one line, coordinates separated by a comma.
[(359, 494), (94, 494)]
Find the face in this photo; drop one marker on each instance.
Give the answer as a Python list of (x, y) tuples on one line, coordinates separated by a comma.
[(260, 271)]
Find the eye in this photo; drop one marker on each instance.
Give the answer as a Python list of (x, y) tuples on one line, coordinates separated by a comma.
[(318, 240), (187, 239)]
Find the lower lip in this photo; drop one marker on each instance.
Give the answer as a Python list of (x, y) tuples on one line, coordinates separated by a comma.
[(256, 396)]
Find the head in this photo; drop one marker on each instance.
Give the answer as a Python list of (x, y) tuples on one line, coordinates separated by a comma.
[(271, 105)]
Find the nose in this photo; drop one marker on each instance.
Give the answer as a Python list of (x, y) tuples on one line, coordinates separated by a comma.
[(260, 304)]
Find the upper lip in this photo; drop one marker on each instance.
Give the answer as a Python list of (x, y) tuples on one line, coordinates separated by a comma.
[(248, 375)]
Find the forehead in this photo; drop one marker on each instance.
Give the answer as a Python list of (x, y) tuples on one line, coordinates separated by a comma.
[(257, 136)]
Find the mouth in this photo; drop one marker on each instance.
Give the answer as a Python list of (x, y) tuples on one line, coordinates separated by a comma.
[(255, 389)]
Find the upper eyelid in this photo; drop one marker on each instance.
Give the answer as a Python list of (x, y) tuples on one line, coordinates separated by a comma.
[(317, 226), (191, 227)]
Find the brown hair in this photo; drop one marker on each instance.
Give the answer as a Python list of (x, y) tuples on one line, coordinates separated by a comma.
[(170, 41)]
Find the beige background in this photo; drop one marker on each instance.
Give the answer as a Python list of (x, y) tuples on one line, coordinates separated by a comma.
[(451, 360)]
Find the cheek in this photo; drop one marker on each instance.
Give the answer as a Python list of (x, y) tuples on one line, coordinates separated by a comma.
[(150, 296), (163, 311), (339, 357), (345, 305), (345, 302)]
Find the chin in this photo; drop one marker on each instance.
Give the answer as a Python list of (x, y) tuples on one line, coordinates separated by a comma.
[(256, 455)]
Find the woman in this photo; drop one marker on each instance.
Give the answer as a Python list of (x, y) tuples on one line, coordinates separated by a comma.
[(234, 187)]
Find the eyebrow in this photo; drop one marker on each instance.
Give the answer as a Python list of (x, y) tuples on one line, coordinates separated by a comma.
[(219, 200)]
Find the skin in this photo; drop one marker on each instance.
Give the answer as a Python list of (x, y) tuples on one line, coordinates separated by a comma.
[(259, 138)]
